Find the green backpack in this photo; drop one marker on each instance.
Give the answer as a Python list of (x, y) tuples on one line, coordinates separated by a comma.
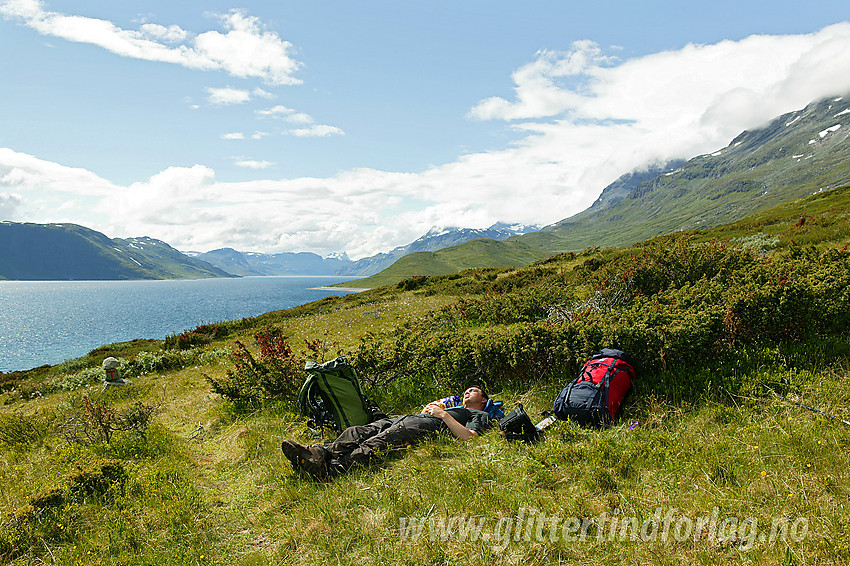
[(331, 396)]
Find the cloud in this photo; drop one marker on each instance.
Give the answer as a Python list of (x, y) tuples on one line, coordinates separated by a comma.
[(260, 93), (233, 136), (245, 50), (537, 92), (287, 114), (595, 117), (582, 118), (170, 34), (35, 190), (25, 172), (228, 95), (318, 130), (253, 164), (9, 203)]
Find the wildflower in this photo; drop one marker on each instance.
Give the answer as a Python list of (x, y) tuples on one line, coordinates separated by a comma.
[(763, 473)]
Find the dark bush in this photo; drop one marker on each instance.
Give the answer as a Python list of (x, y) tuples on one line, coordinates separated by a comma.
[(412, 283), (103, 478)]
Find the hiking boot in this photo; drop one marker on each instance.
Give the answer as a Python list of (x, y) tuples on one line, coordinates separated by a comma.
[(309, 459)]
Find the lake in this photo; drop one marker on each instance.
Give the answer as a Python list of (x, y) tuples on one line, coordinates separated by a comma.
[(48, 322)]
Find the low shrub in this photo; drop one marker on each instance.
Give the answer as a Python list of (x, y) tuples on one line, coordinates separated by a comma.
[(21, 431), (91, 421), (104, 478), (276, 373), (73, 381)]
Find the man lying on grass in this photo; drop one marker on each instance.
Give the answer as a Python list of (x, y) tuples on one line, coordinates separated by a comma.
[(358, 444)]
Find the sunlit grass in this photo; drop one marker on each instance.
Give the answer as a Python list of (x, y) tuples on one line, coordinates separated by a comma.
[(227, 496)]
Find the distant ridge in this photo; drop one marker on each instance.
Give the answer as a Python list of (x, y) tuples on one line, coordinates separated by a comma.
[(71, 252), (284, 263), (305, 263)]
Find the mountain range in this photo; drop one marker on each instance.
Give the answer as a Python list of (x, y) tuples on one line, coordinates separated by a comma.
[(796, 154), (305, 263), (31, 251), (71, 252)]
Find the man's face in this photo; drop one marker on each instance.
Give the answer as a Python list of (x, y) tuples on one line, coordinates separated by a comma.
[(473, 398)]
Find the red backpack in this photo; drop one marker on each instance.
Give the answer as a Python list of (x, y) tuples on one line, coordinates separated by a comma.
[(595, 396)]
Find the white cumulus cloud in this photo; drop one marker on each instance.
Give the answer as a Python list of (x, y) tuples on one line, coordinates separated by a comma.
[(169, 34), (318, 130), (9, 203), (245, 49), (228, 95), (537, 91), (252, 164), (281, 112)]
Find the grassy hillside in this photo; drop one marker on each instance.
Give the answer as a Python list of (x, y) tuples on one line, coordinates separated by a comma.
[(709, 464), (476, 253)]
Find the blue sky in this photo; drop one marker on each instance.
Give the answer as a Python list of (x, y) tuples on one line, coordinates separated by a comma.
[(333, 126)]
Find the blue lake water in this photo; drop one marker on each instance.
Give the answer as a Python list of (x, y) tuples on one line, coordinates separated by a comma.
[(47, 322)]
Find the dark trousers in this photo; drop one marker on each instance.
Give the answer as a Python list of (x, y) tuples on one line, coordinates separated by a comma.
[(357, 444)]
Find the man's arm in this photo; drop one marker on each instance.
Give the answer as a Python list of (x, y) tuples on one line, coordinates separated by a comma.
[(458, 430)]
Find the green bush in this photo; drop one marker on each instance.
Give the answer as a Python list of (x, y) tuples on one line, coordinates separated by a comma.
[(277, 373), (104, 478), (674, 306), (72, 381)]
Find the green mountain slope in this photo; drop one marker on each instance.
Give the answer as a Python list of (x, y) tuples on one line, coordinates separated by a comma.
[(797, 154), (71, 252), (476, 253)]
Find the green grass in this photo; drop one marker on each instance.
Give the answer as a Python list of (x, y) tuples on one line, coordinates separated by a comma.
[(227, 496), (701, 438)]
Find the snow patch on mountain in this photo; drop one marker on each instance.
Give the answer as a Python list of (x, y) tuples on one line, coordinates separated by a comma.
[(829, 130)]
